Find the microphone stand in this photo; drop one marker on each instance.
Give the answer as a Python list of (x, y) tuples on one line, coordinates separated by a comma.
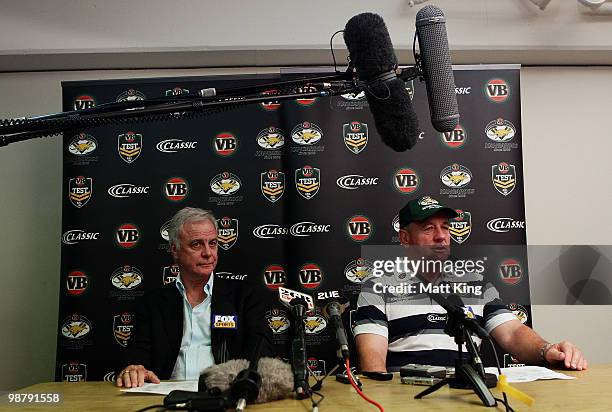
[(469, 373), (298, 350)]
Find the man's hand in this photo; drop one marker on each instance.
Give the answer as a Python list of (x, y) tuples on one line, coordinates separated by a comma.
[(566, 353), (133, 376)]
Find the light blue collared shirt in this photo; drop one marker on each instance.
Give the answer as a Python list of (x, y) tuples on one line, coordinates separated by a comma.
[(195, 354)]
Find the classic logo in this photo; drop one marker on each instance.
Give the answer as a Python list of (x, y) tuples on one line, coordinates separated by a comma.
[(176, 91), (82, 144), (308, 181), (124, 190), (503, 176), (170, 273), (303, 229), (74, 371), (271, 138), (127, 236), (354, 96), (80, 189), (519, 311), (270, 231), (456, 176), (306, 89), (129, 145), (409, 86), (228, 232), (163, 231), (122, 328), (436, 317), (316, 366), (352, 182), (359, 228), (314, 322), (500, 130), (75, 326), (272, 185), (270, 105), (126, 277), (84, 102), (455, 138), (510, 271), (504, 224), (130, 95), (274, 277), (460, 227), (406, 180), (230, 276), (74, 236), (497, 90), (174, 145), (225, 322), (225, 144), (277, 321), (310, 275), (306, 134), (110, 377), (355, 136), (176, 189), (463, 90), (358, 270), (395, 223), (225, 184), (76, 282)]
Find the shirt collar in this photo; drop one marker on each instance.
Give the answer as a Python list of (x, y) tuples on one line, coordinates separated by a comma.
[(208, 287)]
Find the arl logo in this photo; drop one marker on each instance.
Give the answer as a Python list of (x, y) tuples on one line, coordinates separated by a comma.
[(358, 270), (270, 105), (170, 273), (277, 321), (359, 228), (176, 189), (271, 138), (129, 145), (310, 275), (225, 184), (74, 371), (504, 177), (228, 232), (126, 277), (82, 144), (274, 277), (306, 134), (176, 91), (455, 138), (500, 130), (314, 322), (76, 282), (225, 144), (306, 89), (272, 185), (355, 136), (75, 326), (308, 181), (461, 226), (406, 180), (497, 90), (130, 95), (510, 271), (456, 175), (80, 190), (127, 236), (519, 311), (84, 102), (122, 328)]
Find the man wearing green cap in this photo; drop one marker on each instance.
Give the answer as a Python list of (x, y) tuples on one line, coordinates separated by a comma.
[(390, 333)]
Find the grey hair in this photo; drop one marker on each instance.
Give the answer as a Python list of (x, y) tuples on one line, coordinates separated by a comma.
[(187, 215)]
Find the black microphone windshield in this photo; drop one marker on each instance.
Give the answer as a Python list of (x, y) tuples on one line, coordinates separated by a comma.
[(371, 54), (437, 68)]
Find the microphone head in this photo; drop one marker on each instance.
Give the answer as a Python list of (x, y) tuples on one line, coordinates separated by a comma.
[(332, 302), (246, 385), (369, 44)]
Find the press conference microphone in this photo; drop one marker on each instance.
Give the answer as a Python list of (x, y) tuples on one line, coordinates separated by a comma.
[(276, 378), (455, 307), (437, 69), (245, 387), (333, 304), (371, 54)]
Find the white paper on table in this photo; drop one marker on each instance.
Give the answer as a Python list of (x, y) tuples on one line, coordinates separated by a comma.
[(164, 388), (528, 373)]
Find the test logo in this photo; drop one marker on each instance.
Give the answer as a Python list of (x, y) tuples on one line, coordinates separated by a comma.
[(127, 236), (497, 90), (129, 145), (228, 232), (272, 185), (122, 328), (460, 227), (359, 228), (355, 136), (503, 176), (74, 371), (170, 273), (80, 190), (308, 181)]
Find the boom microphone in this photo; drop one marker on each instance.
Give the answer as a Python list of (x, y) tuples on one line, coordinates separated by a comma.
[(372, 56), (276, 378), (437, 69)]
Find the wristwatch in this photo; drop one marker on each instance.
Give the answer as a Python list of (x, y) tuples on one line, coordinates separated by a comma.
[(543, 351)]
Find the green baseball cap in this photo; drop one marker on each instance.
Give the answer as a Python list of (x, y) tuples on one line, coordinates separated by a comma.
[(422, 208)]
